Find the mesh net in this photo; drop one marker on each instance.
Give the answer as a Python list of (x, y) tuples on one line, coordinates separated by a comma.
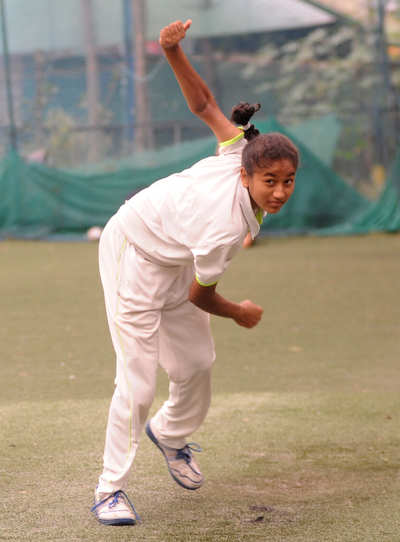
[(40, 201), (92, 111)]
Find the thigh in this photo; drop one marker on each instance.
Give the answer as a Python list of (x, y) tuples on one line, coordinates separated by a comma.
[(135, 290), (111, 248), (186, 344)]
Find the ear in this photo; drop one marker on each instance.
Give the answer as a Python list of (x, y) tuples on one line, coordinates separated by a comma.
[(244, 177)]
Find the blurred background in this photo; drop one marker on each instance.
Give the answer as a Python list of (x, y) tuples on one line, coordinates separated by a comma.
[(90, 110)]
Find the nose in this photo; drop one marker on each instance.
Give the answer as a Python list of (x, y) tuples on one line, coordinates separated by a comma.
[(279, 192)]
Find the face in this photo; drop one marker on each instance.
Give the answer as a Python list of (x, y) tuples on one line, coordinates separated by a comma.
[(270, 187)]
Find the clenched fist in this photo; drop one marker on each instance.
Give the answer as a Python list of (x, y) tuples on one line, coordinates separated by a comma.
[(250, 314), (172, 34)]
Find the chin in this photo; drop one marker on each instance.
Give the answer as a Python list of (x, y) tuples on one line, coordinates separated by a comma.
[(273, 211)]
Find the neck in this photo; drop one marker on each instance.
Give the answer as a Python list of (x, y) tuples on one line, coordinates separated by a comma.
[(254, 205)]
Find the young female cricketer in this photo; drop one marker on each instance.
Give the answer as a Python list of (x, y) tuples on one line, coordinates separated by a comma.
[(161, 257)]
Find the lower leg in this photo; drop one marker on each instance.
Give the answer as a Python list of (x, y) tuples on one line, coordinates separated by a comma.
[(127, 416), (184, 411), (120, 446)]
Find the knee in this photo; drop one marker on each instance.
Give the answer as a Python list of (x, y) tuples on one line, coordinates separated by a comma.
[(204, 364), (196, 369), (138, 396)]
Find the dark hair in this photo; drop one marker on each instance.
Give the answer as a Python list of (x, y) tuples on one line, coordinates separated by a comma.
[(241, 114), (262, 149), (266, 148)]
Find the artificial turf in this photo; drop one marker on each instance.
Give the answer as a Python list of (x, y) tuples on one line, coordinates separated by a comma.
[(302, 439)]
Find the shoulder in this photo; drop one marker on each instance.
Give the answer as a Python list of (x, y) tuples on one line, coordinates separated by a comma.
[(232, 146)]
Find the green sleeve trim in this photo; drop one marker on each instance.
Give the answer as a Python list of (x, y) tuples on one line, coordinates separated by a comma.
[(232, 141), (260, 216), (204, 284)]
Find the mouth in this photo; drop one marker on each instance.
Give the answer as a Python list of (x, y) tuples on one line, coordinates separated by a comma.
[(275, 204)]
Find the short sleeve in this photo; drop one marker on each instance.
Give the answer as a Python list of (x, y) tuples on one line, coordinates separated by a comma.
[(210, 264), (233, 146)]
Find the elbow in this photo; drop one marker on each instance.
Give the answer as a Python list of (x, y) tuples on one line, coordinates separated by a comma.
[(199, 108), (202, 296), (193, 296), (204, 107)]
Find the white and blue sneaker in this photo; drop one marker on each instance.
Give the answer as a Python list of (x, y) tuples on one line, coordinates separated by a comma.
[(114, 509), (181, 464)]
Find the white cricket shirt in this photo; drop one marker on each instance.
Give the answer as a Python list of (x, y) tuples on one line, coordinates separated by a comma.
[(200, 215)]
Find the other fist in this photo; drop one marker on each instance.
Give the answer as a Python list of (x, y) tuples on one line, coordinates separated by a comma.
[(172, 34)]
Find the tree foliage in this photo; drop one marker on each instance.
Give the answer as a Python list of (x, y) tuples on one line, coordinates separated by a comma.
[(336, 71), (321, 73)]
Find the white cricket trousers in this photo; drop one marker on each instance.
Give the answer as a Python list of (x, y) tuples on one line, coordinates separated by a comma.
[(151, 322)]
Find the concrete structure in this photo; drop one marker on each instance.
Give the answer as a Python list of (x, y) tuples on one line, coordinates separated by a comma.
[(56, 25)]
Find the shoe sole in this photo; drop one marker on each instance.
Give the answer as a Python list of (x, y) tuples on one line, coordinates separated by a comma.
[(117, 522), (151, 436)]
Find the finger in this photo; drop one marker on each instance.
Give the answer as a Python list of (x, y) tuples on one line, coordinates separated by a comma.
[(187, 25)]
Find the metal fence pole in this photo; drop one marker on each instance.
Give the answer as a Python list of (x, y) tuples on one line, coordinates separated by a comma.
[(7, 76), (384, 69), (129, 70)]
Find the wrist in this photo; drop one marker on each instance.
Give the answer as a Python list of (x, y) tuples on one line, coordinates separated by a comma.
[(238, 312), (170, 48)]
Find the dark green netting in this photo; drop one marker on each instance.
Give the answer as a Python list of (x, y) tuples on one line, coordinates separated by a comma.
[(38, 201), (383, 215)]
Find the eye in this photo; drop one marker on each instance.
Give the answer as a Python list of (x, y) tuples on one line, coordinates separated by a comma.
[(289, 181), (270, 182)]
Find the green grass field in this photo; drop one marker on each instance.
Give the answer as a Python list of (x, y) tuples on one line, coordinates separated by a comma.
[(302, 442)]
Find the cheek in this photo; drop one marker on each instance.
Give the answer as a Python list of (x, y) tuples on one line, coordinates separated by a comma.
[(288, 190), (260, 190)]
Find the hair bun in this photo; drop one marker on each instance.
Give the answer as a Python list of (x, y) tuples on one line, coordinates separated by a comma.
[(243, 111), (241, 114)]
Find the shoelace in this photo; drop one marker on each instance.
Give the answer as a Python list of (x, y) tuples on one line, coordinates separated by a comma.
[(185, 453), (116, 498)]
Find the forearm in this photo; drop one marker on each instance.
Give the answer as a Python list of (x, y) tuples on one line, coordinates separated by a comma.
[(214, 303), (246, 313), (197, 94)]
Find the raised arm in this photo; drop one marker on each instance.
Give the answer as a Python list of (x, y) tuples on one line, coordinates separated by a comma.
[(198, 96)]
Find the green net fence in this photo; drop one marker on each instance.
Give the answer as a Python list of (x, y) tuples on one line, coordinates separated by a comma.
[(39, 201), (90, 110)]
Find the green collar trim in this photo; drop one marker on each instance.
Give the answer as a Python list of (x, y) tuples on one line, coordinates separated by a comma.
[(232, 141)]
